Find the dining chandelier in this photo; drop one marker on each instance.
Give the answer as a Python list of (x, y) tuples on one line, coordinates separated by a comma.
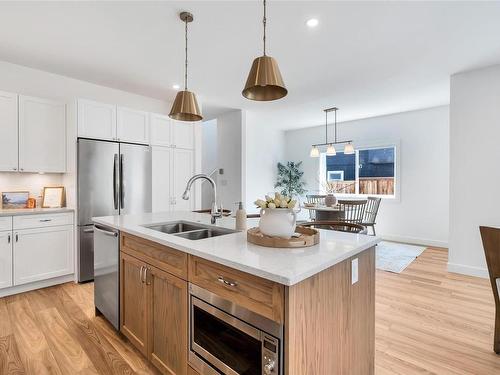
[(330, 149)]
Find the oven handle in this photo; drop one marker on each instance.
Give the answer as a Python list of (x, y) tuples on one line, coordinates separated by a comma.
[(227, 282)]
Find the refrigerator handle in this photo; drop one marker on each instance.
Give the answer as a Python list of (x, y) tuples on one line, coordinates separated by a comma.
[(115, 182), (122, 190)]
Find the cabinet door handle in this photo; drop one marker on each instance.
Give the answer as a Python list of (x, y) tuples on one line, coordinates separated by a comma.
[(140, 274), (14, 169), (8, 238), (17, 237), (227, 282), (21, 169), (146, 274)]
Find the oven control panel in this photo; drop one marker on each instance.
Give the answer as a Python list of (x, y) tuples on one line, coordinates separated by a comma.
[(270, 355)]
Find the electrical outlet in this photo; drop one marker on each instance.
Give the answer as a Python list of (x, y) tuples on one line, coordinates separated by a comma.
[(354, 271)]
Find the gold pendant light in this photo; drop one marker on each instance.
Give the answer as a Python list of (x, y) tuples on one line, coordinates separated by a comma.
[(185, 107), (264, 82)]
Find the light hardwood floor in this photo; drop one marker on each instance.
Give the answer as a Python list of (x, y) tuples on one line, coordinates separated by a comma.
[(428, 321)]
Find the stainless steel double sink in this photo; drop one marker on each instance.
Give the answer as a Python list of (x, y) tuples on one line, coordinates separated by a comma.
[(190, 230)]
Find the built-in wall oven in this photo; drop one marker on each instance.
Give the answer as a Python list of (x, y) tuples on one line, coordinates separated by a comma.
[(228, 339)]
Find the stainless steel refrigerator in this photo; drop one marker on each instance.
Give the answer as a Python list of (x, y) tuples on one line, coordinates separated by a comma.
[(113, 179)]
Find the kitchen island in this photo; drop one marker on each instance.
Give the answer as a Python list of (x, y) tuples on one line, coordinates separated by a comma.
[(276, 311)]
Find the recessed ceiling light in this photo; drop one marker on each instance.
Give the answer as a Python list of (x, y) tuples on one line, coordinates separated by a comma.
[(313, 22), (176, 87)]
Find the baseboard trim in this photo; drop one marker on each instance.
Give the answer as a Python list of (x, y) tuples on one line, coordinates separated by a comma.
[(36, 285), (415, 241), (468, 270)]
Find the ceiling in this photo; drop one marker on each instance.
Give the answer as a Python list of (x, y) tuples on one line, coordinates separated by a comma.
[(367, 58)]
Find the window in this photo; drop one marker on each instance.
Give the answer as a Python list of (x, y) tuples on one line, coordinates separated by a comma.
[(369, 171), (335, 175)]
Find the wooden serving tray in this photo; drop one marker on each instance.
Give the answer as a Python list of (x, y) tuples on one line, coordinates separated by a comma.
[(308, 237)]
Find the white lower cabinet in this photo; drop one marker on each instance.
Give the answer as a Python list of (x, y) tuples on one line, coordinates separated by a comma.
[(171, 170), (5, 259), (183, 170), (161, 172), (42, 253)]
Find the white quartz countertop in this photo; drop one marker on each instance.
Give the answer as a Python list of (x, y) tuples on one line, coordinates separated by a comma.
[(285, 266), (33, 211)]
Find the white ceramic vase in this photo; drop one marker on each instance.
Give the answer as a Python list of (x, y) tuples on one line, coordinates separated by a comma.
[(277, 222), (330, 200)]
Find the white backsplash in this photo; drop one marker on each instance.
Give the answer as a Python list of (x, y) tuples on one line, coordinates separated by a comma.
[(32, 182)]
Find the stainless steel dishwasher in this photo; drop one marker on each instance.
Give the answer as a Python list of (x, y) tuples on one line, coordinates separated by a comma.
[(106, 273)]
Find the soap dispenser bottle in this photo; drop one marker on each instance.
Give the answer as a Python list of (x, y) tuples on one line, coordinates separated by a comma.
[(241, 217)]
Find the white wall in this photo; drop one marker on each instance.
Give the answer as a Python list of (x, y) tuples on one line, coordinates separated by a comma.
[(420, 215), (230, 127), (32, 182), (27, 81), (208, 159), (223, 148), (265, 147), (474, 166)]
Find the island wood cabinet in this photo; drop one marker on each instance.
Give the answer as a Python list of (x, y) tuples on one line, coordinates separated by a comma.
[(328, 321), (154, 302)]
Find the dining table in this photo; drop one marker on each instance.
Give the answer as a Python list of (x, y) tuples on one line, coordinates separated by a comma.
[(325, 213)]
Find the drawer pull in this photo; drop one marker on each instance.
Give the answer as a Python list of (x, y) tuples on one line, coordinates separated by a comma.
[(45, 220), (226, 282)]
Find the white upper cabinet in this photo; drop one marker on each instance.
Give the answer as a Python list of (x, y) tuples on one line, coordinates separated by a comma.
[(160, 130), (42, 135), (170, 133), (96, 120), (183, 134), (8, 132), (132, 125)]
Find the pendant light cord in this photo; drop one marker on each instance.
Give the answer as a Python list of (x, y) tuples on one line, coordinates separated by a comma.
[(335, 126), (264, 21), (186, 59), (326, 126)]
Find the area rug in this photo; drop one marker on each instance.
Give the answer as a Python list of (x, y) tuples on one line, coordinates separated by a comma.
[(395, 257)]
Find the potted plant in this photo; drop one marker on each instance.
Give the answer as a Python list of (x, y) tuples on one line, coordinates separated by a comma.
[(277, 215), (289, 179)]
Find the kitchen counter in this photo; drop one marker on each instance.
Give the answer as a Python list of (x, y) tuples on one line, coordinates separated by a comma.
[(33, 211), (285, 266)]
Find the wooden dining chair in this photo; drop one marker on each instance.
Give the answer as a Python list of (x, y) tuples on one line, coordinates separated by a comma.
[(354, 210), (491, 245), (339, 226), (371, 211), (318, 200)]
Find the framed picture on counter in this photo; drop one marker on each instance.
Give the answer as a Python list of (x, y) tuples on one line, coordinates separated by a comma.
[(53, 197), (14, 199)]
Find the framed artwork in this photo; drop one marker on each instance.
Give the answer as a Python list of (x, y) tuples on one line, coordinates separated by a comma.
[(14, 199), (53, 197)]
